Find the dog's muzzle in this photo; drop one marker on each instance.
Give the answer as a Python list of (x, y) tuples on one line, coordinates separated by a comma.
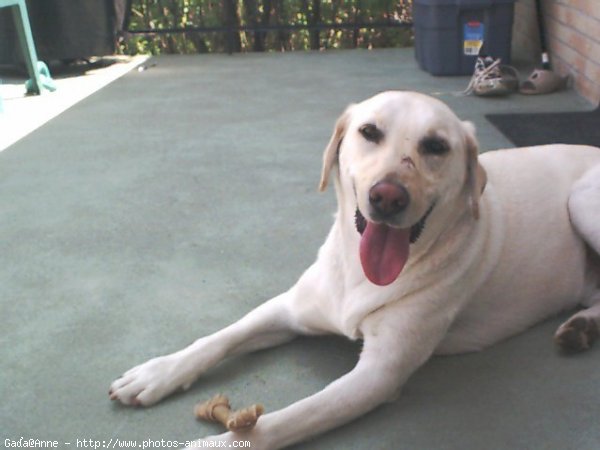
[(384, 249), (387, 199), (415, 231)]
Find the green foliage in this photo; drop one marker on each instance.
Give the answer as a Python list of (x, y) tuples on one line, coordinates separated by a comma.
[(179, 15)]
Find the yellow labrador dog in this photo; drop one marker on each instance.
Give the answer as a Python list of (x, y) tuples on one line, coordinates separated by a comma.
[(433, 250)]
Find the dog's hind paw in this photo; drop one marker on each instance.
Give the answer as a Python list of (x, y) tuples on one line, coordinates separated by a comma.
[(577, 334)]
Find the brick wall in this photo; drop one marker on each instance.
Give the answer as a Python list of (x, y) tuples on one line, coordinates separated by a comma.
[(573, 38)]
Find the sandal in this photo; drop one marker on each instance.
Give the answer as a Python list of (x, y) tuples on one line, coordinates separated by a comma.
[(543, 82)]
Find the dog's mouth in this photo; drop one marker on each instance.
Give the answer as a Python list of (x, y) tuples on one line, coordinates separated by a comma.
[(384, 249)]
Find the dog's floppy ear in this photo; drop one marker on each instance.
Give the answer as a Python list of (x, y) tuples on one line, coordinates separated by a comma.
[(330, 156), (476, 176)]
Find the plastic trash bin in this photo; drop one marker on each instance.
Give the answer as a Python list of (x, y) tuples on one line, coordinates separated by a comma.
[(449, 34)]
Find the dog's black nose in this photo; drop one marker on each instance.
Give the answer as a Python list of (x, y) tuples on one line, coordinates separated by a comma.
[(388, 198)]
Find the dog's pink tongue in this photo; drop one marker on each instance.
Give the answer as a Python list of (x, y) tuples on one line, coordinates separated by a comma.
[(383, 252)]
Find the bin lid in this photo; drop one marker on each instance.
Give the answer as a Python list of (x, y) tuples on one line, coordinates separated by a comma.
[(466, 3)]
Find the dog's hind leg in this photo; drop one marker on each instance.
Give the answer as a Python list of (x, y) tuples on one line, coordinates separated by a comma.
[(584, 207), (580, 331)]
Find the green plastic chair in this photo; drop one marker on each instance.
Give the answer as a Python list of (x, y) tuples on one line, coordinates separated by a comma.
[(38, 71)]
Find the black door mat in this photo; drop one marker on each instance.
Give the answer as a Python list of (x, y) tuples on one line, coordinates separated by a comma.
[(549, 128)]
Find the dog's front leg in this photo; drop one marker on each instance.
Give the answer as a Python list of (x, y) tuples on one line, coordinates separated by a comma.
[(390, 354), (268, 325)]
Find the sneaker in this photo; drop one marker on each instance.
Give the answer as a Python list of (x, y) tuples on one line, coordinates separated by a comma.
[(490, 78)]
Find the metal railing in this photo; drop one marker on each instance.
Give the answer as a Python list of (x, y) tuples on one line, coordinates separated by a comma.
[(231, 29)]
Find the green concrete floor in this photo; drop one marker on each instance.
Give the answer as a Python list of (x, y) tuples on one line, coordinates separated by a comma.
[(171, 202)]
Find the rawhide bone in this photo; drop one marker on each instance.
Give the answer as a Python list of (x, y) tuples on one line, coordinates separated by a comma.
[(217, 409)]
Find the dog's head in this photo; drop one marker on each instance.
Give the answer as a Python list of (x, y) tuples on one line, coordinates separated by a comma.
[(399, 156)]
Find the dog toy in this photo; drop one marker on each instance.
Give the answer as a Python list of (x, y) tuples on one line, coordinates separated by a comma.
[(217, 409)]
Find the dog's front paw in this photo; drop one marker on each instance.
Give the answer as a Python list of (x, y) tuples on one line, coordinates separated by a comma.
[(148, 383)]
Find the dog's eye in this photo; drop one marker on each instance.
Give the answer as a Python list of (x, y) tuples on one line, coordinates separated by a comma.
[(371, 133), (434, 146)]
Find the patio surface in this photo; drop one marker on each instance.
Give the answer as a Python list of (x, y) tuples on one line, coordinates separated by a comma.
[(167, 204), (23, 114)]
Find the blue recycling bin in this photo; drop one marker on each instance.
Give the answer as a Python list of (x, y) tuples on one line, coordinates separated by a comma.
[(449, 34)]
